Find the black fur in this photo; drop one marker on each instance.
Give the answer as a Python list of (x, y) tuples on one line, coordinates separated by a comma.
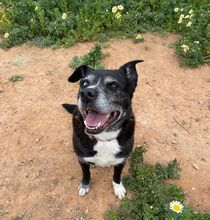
[(104, 91)]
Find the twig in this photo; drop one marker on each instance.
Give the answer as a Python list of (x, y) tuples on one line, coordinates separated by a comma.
[(181, 125)]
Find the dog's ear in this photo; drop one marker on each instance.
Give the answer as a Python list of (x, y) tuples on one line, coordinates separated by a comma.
[(129, 69), (79, 73)]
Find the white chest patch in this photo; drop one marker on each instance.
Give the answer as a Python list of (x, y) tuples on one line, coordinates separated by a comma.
[(105, 156)]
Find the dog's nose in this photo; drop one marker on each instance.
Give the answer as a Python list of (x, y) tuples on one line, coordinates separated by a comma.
[(89, 93)]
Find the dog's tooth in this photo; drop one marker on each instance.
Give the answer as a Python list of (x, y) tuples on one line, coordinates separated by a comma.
[(107, 116), (99, 124), (85, 123)]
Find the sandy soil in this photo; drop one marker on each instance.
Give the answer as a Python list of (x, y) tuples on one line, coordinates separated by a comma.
[(39, 172)]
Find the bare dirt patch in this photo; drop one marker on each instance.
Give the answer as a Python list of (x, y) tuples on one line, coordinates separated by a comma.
[(39, 171)]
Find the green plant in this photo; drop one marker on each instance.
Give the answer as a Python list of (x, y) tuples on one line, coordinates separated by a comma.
[(15, 78), (152, 198), (17, 218), (62, 23), (92, 58)]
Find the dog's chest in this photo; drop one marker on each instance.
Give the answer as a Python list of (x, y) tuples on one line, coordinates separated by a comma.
[(106, 151)]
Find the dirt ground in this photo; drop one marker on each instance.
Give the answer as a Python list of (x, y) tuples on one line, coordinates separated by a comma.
[(39, 172)]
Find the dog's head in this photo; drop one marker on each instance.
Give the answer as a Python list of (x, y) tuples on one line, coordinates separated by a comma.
[(104, 96)]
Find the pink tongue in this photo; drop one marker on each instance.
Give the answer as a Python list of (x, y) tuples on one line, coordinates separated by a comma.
[(94, 118)]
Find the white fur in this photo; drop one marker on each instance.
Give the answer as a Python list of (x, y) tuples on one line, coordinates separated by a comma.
[(106, 151), (95, 85), (107, 136), (119, 190), (83, 189), (79, 104)]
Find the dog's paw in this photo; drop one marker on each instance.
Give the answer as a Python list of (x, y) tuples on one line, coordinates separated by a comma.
[(119, 190), (83, 189)]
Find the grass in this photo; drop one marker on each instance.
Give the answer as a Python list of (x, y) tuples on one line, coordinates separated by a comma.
[(15, 78), (151, 195), (92, 58)]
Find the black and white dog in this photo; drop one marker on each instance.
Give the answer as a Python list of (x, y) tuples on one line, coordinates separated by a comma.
[(103, 120)]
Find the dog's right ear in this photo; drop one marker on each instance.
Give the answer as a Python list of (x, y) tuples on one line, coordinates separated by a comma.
[(79, 73)]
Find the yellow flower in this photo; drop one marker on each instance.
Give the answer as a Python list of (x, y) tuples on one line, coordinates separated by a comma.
[(191, 16), (176, 206), (180, 18), (138, 37), (176, 9), (181, 9), (189, 24), (36, 8), (190, 11), (118, 15), (6, 35), (187, 16), (120, 7), (114, 9), (179, 21), (185, 48), (64, 16)]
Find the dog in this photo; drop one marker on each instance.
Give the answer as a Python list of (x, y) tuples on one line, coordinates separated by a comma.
[(103, 120)]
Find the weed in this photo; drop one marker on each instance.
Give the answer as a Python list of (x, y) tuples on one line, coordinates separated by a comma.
[(17, 218), (15, 78), (93, 58), (152, 198)]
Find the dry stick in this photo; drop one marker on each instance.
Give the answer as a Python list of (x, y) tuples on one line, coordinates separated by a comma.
[(181, 125)]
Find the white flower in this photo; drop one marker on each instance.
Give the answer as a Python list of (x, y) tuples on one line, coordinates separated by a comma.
[(191, 16), (120, 7), (176, 9), (189, 24), (187, 16), (185, 48), (176, 206), (64, 16), (181, 9), (114, 9), (196, 42), (118, 15), (36, 8), (6, 35), (190, 11)]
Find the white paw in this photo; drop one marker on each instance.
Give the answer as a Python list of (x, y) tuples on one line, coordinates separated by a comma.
[(83, 189), (119, 190)]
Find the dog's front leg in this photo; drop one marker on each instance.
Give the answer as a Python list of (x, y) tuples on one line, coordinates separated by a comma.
[(118, 187), (84, 186)]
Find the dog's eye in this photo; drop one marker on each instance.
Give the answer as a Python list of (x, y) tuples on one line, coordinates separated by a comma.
[(84, 83), (113, 85)]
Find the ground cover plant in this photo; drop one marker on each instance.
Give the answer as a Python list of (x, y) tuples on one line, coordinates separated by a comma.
[(152, 198), (62, 23), (92, 58)]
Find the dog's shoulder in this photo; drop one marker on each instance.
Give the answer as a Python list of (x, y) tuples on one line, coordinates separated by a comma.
[(126, 137)]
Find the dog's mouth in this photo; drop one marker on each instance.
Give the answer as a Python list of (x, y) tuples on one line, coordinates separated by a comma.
[(96, 122)]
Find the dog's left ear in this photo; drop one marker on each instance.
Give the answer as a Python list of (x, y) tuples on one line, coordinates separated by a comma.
[(130, 72), (79, 73)]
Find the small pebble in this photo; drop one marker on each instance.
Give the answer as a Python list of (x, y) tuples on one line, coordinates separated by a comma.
[(173, 142), (195, 166), (193, 188)]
